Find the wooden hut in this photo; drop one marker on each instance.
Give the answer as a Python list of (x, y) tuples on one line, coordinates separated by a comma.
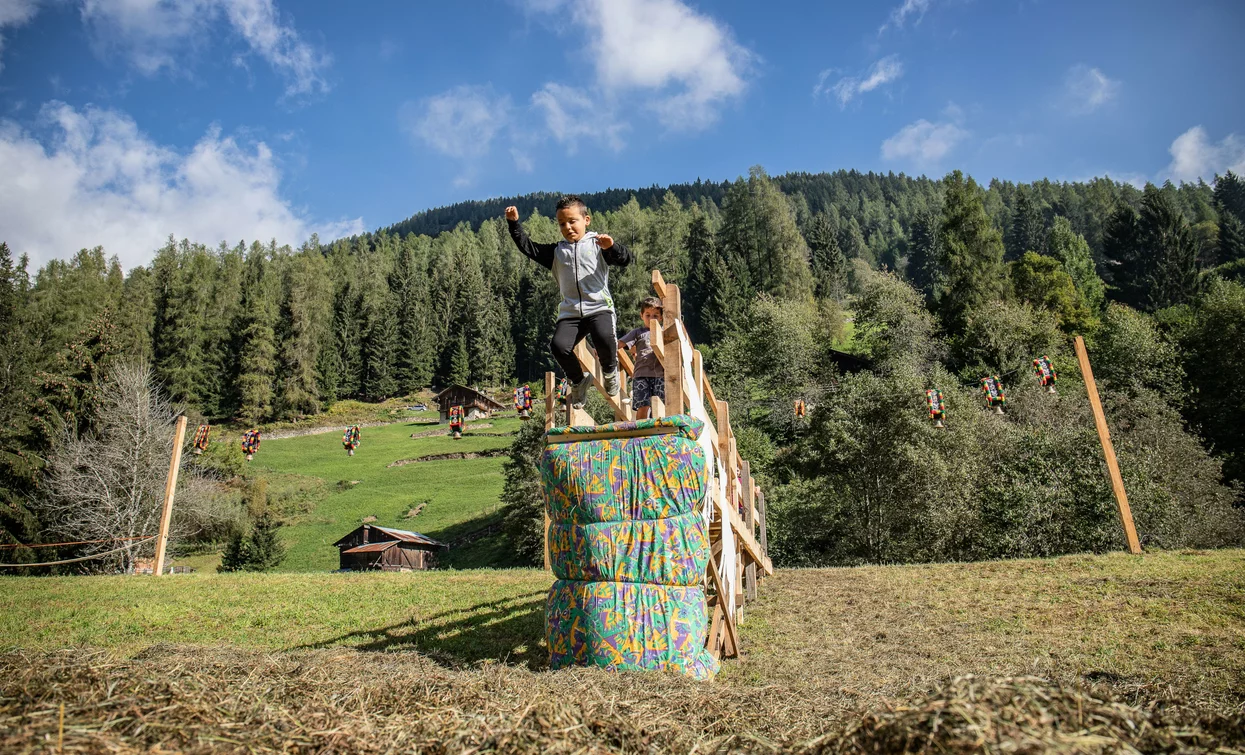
[(380, 548), (475, 404)]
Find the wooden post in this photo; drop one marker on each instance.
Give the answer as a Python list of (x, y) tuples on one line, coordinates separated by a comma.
[(723, 412), (1104, 436), (656, 408), (170, 489), (750, 571), (761, 517), (732, 639), (551, 399)]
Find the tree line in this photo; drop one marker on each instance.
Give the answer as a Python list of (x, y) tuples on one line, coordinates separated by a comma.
[(262, 332)]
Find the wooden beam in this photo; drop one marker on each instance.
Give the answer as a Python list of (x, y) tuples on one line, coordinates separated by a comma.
[(590, 365), (170, 490), (645, 432), (580, 418), (1104, 437), (656, 408), (624, 361), (751, 548), (714, 641), (728, 618), (750, 571), (762, 519), (672, 304), (659, 285), (657, 341), (551, 399)]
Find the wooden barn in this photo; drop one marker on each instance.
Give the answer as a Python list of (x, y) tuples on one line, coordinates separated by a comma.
[(380, 548), (475, 404)]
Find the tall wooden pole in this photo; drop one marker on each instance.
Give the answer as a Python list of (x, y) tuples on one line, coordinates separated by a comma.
[(170, 489), (1104, 436), (550, 408)]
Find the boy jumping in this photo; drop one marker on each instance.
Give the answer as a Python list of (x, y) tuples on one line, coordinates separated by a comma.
[(580, 264), (650, 376)]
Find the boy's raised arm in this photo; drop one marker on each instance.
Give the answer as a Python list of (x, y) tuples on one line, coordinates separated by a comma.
[(542, 254), (615, 252)]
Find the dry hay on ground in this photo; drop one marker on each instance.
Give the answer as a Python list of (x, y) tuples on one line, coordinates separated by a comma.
[(347, 701)]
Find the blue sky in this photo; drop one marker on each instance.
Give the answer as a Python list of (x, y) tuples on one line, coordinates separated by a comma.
[(122, 121)]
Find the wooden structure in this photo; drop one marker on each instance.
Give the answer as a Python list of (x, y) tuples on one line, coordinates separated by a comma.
[(170, 489), (1108, 450), (475, 404), (370, 548), (734, 505)]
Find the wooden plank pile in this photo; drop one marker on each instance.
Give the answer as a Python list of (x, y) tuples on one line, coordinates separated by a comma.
[(735, 507)]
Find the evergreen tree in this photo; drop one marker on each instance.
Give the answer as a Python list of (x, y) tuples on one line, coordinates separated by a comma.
[(1027, 232), (700, 247), (923, 256), (1231, 239), (1044, 282), (257, 346), (970, 252), (180, 305), (1170, 263), (1071, 249), (379, 347), (348, 351), (1229, 196), (829, 264), (305, 314), (266, 551), (19, 466), (852, 243), (460, 363), (759, 228), (414, 352), (1121, 248)]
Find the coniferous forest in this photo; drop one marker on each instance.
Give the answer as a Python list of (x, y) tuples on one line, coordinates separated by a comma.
[(926, 283)]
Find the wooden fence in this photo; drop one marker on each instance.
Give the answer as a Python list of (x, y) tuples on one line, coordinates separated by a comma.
[(734, 505)]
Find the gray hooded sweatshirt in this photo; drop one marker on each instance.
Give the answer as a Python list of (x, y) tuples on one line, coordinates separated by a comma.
[(581, 270)]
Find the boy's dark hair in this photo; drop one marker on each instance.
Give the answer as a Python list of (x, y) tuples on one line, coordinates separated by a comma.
[(569, 201), (651, 302)]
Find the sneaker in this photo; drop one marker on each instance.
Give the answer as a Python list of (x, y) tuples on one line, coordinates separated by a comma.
[(611, 383), (579, 392)]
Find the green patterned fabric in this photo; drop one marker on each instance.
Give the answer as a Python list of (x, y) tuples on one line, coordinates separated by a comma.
[(629, 546)]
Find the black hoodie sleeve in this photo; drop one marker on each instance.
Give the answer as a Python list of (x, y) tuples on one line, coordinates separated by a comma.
[(617, 255), (541, 254)]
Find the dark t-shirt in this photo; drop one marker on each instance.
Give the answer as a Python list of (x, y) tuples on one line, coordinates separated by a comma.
[(646, 364)]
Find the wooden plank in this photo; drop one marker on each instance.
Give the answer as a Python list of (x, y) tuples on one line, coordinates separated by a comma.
[(580, 418), (674, 377), (657, 341), (624, 361), (761, 517), (551, 399), (170, 490), (728, 619), (672, 304), (714, 641), (644, 432), (706, 390), (659, 285), (1104, 437), (750, 571), (590, 365), (656, 408), (751, 548)]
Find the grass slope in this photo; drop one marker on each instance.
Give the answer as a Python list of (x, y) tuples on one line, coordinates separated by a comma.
[(335, 662), (461, 495)]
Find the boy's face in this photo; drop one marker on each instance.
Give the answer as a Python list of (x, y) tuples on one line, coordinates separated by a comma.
[(648, 314), (573, 223)]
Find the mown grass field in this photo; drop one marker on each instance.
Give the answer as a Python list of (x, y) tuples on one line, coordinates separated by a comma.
[(336, 492), (447, 661)]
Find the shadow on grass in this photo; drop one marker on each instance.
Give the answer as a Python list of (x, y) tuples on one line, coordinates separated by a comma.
[(510, 630)]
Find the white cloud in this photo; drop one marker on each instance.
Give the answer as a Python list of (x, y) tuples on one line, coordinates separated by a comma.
[(847, 88), (1195, 156), (687, 64), (14, 13), (459, 123), (155, 34), (1086, 89), (100, 181), (923, 143), (902, 13), (572, 116)]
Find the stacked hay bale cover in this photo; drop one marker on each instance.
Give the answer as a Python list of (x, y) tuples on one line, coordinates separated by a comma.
[(629, 544)]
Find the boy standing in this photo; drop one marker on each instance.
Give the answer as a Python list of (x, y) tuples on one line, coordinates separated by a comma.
[(580, 264), (650, 376)]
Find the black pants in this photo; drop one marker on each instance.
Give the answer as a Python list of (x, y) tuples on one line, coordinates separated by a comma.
[(571, 331)]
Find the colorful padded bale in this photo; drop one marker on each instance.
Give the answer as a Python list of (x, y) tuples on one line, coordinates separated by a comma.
[(629, 546), (628, 626)]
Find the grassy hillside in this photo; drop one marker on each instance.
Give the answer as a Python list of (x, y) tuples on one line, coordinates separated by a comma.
[(322, 493), (1082, 653)]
